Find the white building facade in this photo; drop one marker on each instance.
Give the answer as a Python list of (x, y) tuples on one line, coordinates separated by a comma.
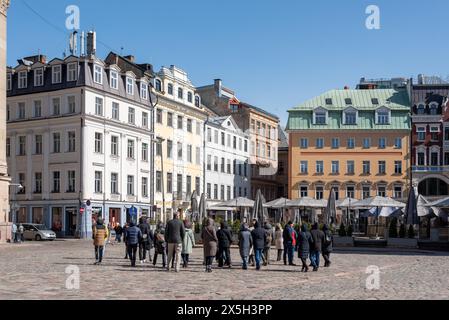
[(227, 172)]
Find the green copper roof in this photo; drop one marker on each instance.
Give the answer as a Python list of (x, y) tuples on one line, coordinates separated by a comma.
[(365, 101)]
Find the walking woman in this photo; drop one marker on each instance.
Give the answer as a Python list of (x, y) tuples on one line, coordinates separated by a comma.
[(304, 242), (245, 244), (187, 244), (210, 241), (279, 241), (327, 246)]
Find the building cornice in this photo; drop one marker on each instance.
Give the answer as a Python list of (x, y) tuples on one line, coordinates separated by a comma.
[(4, 5)]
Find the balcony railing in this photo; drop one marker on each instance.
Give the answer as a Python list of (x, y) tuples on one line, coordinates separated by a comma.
[(433, 169)]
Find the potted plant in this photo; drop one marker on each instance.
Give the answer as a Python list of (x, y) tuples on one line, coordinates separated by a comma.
[(344, 238), (406, 238)]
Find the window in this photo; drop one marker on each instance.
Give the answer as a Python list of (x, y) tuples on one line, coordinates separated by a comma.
[(39, 77), (335, 167), (351, 143), (350, 167), (144, 90), (22, 183), (304, 192), (209, 162), (366, 192), (198, 155), (179, 185), (71, 102), (23, 80), (170, 119), (8, 147), (56, 103), (8, 113), (383, 117), (159, 116), (170, 89), (72, 72), (375, 101), (216, 164), (98, 142), (37, 109), (304, 143), (9, 81), (197, 101), (350, 118), (114, 79), (131, 115), (319, 192), (228, 166), (188, 184), (434, 158), (335, 143), (180, 93), (350, 191), (98, 181), (398, 143), (115, 111), (421, 132), (56, 182), (130, 186), (434, 133), (189, 153), (114, 146), (446, 133), (320, 117), (209, 191), (22, 146), (71, 181), (130, 86), (198, 128), (38, 145), (216, 191), (434, 109), (144, 187), (158, 85), (130, 153), (56, 72), (382, 191), (72, 141), (98, 106), (303, 167), (180, 121), (366, 143), (169, 149), (56, 142), (382, 167), (98, 74), (366, 167), (421, 109), (245, 146), (348, 101), (179, 150), (319, 167), (234, 143), (398, 167), (320, 143), (421, 158), (38, 182), (329, 101), (382, 143), (397, 193), (189, 125), (21, 111), (169, 182), (145, 150), (114, 183), (190, 97)]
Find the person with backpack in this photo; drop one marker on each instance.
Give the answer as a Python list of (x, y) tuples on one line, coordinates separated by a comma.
[(224, 236), (187, 244), (133, 238), (160, 245), (210, 241), (327, 246), (304, 243), (99, 235), (245, 244), (315, 250), (259, 240), (147, 238), (268, 241)]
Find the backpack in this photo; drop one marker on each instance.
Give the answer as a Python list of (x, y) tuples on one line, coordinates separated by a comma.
[(327, 239), (160, 237), (269, 237)]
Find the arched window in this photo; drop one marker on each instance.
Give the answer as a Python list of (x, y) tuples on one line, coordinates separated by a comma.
[(434, 109), (421, 108), (350, 116), (158, 85)]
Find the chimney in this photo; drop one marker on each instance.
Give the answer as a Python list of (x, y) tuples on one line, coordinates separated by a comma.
[(420, 79), (130, 58), (218, 87), (38, 58), (91, 43), (346, 87), (82, 44)]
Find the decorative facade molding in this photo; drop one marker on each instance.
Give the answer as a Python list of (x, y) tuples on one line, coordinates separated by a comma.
[(4, 5)]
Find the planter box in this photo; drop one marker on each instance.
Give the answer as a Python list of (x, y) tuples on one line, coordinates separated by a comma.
[(402, 243), (343, 242)]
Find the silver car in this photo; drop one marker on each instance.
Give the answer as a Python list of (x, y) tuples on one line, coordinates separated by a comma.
[(37, 232)]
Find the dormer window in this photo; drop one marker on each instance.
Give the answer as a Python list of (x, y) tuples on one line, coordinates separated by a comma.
[(434, 109), (56, 74), (383, 116), (144, 90), (158, 85), (421, 109), (113, 82), (72, 71), (320, 117), (23, 80), (350, 117), (197, 101), (190, 97), (329, 101), (234, 107), (98, 74), (130, 86), (348, 101), (9, 81), (375, 101), (39, 77), (170, 89)]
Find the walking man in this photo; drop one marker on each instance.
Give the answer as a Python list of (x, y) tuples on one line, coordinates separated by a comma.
[(327, 246), (133, 238), (99, 234), (315, 250), (174, 237), (245, 245), (289, 243), (224, 245), (259, 239), (268, 241), (144, 243), (14, 232), (160, 246)]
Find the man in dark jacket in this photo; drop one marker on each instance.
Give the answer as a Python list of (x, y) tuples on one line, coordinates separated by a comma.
[(147, 239), (304, 242), (160, 246), (289, 245), (268, 241), (224, 236), (118, 233), (259, 239), (315, 250), (327, 246), (174, 235), (133, 237)]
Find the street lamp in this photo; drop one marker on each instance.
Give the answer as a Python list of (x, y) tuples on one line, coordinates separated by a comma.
[(159, 141), (13, 202), (154, 100)]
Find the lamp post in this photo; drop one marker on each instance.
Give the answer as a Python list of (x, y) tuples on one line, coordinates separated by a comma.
[(13, 202), (159, 142)]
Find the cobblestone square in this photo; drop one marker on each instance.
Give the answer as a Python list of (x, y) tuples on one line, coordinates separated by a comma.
[(38, 271)]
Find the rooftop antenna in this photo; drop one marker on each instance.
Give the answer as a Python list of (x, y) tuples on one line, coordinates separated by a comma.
[(73, 42), (82, 44)]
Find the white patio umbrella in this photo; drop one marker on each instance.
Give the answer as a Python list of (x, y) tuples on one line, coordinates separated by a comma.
[(439, 204), (307, 202), (279, 204), (237, 203), (346, 203)]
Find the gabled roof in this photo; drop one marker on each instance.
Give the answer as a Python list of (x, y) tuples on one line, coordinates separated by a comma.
[(262, 111), (140, 70)]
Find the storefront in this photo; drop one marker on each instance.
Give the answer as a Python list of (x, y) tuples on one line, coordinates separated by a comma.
[(57, 220), (71, 214), (115, 216), (37, 216)]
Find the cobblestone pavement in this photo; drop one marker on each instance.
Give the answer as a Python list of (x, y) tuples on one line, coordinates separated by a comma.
[(38, 271)]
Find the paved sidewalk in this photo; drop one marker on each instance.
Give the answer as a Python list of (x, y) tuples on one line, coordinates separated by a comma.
[(37, 271)]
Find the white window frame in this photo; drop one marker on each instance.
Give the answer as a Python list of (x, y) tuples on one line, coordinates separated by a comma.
[(22, 80), (38, 77), (421, 129), (113, 83), (320, 111), (433, 105), (56, 74), (383, 110), (130, 86), (9, 81), (144, 90), (72, 74), (351, 111), (98, 74)]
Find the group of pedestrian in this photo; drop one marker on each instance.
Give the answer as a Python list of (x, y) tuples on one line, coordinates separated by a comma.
[(17, 233)]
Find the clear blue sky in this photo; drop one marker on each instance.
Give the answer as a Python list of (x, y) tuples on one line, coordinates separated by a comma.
[(274, 54)]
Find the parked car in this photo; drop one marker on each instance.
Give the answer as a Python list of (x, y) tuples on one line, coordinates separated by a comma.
[(37, 232)]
